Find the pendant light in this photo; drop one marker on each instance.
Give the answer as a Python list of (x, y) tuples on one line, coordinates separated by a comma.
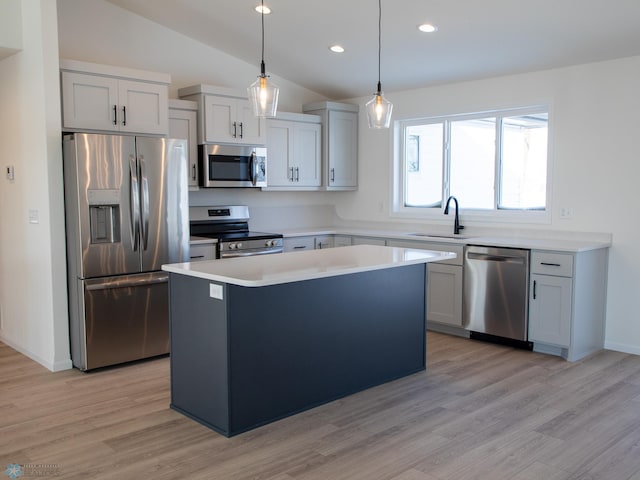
[(379, 108), (263, 95)]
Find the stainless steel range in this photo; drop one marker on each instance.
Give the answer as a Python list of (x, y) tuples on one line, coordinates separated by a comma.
[(229, 224)]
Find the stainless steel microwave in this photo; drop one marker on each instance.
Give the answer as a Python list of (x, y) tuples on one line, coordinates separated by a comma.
[(232, 166)]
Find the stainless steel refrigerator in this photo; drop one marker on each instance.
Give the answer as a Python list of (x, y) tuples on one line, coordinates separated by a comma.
[(127, 212)]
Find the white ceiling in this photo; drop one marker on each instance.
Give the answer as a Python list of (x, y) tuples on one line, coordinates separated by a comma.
[(476, 38)]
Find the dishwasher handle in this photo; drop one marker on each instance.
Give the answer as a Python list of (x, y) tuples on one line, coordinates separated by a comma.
[(495, 258)]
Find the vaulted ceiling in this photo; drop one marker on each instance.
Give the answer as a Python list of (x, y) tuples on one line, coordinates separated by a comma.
[(475, 38)]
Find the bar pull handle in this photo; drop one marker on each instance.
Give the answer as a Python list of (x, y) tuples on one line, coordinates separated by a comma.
[(494, 258), (297, 174), (550, 264), (235, 130), (535, 284), (241, 130), (115, 115), (291, 173), (134, 203), (299, 247), (196, 256), (193, 171), (127, 282), (124, 115), (144, 208), (333, 175)]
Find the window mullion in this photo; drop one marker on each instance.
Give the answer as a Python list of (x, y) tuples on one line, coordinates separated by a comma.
[(498, 165), (446, 161)]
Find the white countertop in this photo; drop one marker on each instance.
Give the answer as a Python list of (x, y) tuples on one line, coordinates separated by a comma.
[(264, 270), (527, 242)]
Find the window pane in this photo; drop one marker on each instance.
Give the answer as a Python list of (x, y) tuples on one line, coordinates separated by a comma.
[(473, 144), (423, 165), (524, 162)]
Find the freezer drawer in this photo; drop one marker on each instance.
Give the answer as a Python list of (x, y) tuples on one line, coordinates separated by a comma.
[(126, 318)]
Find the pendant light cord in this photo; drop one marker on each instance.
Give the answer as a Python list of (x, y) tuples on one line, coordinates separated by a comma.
[(379, 42), (262, 69)]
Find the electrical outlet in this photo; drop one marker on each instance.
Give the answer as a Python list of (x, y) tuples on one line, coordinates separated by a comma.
[(566, 213)]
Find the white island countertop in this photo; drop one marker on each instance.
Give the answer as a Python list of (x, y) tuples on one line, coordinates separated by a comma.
[(264, 270)]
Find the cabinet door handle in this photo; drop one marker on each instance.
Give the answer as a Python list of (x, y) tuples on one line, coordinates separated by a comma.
[(115, 115), (297, 174), (124, 115), (241, 132), (235, 131), (299, 247), (550, 264), (534, 289), (333, 174), (193, 171), (291, 174)]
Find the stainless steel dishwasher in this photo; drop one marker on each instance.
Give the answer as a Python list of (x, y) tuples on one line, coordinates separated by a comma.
[(496, 294)]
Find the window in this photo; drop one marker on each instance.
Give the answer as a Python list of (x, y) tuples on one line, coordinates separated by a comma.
[(491, 162)]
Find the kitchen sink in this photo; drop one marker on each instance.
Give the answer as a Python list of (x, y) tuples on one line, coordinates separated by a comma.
[(439, 235)]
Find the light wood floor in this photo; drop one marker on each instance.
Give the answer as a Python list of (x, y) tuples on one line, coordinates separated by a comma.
[(480, 411)]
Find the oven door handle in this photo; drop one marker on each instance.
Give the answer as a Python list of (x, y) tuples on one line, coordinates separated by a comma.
[(249, 254)]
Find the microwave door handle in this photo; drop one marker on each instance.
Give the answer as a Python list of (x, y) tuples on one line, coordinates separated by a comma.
[(144, 208), (254, 173), (134, 203)]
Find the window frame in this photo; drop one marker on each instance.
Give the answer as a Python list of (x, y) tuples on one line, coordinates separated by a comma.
[(399, 180)]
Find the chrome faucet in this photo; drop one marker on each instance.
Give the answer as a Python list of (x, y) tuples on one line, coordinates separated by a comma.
[(456, 222)]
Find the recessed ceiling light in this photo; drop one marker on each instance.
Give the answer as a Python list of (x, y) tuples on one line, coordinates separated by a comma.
[(260, 9), (336, 48), (427, 28)]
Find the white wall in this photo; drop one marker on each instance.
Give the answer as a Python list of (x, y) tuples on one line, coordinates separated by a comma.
[(594, 129), (33, 275)]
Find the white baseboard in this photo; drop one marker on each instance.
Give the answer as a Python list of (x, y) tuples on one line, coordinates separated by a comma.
[(58, 366), (622, 347)]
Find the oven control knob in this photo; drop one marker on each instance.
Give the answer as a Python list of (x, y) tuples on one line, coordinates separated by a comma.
[(238, 245), (269, 243), (232, 246)]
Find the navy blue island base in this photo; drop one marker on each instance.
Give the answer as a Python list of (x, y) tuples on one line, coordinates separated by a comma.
[(260, 354)]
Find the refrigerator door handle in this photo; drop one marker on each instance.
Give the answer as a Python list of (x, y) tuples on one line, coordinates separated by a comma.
[(134, 198), (127, 282), (144, 208)]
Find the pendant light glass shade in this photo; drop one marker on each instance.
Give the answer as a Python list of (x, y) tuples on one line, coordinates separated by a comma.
[(379, 108), (263, 97), (263, 94), (379, 111)]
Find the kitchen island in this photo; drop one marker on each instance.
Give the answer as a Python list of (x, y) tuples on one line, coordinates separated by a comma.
[(256, 339)]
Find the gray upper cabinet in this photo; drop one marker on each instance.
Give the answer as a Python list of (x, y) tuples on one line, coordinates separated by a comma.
[(294, 152), (183, 123), (225, 116), (339, 144), (112, 99)]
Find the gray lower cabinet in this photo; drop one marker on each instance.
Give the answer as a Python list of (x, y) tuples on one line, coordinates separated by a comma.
[(311, 242), (444, 288), (368, 241), (567, 302), (202, 251)]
